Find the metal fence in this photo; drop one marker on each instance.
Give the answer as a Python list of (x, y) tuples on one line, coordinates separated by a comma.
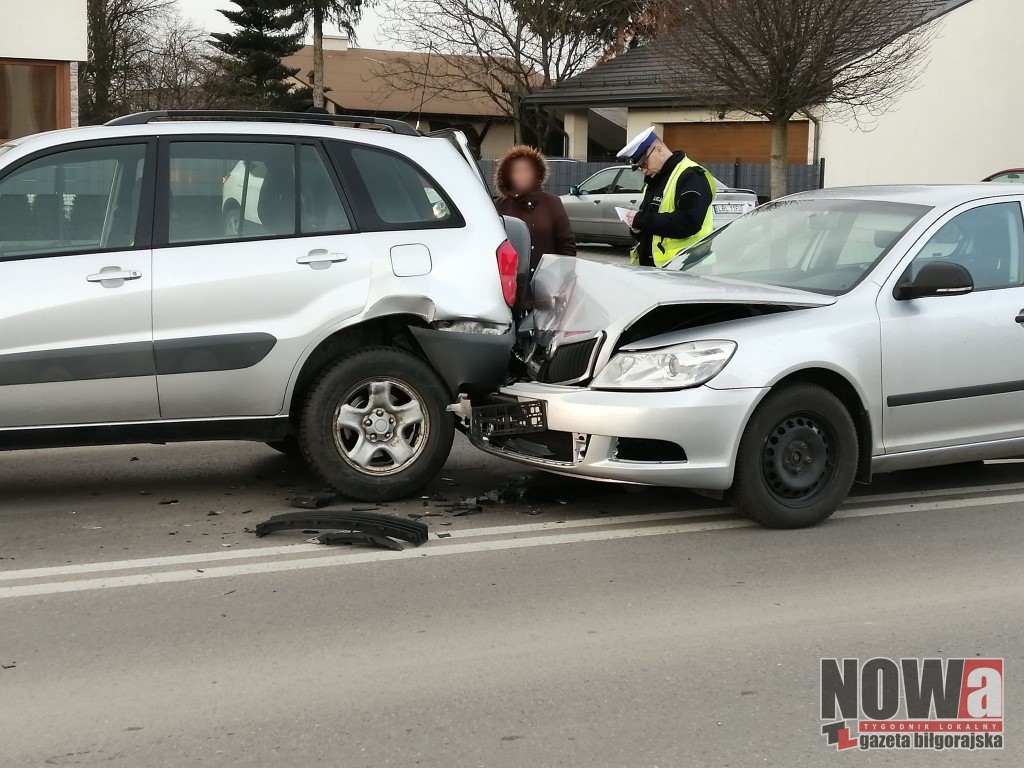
[(565, 173)]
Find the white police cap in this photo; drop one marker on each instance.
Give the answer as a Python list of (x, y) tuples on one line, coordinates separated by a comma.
[(637, 148)]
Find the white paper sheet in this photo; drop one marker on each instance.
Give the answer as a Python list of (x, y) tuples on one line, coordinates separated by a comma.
[(624, 214)]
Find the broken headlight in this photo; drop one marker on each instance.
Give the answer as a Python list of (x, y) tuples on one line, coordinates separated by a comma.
[(675, 367)]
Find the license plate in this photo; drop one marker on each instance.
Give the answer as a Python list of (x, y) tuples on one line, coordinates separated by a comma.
[(729, 208), (511, 418)]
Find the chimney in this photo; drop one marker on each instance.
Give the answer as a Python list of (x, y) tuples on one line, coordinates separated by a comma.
[(335, 42)]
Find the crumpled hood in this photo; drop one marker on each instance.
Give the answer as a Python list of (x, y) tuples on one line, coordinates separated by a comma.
[(575, 296)]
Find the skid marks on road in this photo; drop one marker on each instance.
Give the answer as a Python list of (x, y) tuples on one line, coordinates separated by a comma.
[(295, 557)]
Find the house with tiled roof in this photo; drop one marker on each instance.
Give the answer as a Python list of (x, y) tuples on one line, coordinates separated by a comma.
[(960, 123)]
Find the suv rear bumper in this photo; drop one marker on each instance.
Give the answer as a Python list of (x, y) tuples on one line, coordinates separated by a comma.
[(467, 361)]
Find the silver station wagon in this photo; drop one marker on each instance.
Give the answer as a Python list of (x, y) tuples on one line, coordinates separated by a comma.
[(815, 341)]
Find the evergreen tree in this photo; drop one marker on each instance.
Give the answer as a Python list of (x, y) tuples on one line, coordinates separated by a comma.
[(265, 33)]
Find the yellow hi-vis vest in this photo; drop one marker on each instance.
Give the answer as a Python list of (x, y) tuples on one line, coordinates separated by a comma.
[(664, 249)]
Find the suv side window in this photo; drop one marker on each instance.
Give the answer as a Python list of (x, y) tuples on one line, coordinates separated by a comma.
[(987, 241), (320, 208), (75, 201), (389, 192), (221, 190), (601, 183)]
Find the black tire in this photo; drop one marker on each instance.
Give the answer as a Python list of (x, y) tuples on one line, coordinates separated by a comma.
[(797, 459), (289, 446), (369, 463)]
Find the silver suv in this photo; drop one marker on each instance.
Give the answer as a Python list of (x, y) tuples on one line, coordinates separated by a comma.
[(365, 290)]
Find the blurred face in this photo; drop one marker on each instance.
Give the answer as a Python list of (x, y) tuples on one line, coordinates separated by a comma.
[(522, 175), (655, 160)]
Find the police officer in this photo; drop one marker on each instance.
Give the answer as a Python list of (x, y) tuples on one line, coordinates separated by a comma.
[(676, 210)]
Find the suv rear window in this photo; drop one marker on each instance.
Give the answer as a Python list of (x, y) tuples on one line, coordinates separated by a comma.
[(390, 192)]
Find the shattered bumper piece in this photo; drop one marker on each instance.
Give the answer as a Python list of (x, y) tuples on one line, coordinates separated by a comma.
[(371, 523), (355, 537)]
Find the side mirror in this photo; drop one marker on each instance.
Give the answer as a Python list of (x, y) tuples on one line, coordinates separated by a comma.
[(936, 278), (575, 191)]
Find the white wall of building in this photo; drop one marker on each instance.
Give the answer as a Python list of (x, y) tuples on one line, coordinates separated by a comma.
[(964, 120), (52, 30)]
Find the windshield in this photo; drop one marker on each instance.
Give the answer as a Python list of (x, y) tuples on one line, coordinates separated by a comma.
[(824, 246)]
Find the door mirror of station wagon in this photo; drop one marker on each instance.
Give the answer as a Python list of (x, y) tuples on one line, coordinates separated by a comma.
[(936, 278)]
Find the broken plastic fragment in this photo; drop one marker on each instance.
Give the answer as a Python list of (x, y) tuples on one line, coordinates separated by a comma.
[(313, 502), (355, 537), (356, 520)]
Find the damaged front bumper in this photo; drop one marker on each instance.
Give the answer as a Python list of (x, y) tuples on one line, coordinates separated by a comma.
[(685, 439)]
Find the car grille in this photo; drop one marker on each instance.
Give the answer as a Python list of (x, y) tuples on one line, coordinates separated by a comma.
[(549, 445), (570, 363)]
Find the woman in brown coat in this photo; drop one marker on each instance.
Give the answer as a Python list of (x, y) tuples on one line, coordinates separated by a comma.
[(517, 180)]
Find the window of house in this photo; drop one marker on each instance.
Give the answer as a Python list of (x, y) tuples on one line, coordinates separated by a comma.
[(34, 97), (75, 201)]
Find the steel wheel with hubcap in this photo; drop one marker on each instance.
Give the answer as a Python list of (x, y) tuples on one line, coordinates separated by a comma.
[(375, 425), (797, 458)]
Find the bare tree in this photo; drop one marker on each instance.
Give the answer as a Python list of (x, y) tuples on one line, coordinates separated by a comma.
[(178, 70), (503, 50), (120, 40), (779, 58)]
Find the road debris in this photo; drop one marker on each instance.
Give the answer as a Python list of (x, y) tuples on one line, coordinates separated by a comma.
[(357, 521), (315, 501), (167, 502), (12, 665), (355, 537)]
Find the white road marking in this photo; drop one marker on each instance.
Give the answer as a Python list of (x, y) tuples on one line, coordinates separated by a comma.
[(934, 492), (298, 549), (437, 548), (500, 530)]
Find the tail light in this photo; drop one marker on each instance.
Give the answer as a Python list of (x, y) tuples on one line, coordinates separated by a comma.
[(508, 269)]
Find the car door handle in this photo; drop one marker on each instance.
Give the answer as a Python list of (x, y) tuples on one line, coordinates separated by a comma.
[(632, 201), (1020, 317), (113, 273), (321, 256), (597, 202)]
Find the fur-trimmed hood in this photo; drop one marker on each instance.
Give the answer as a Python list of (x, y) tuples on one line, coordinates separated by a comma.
[(501, 173)]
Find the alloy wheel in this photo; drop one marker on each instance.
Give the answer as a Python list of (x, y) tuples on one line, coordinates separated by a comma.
[(381, 426)]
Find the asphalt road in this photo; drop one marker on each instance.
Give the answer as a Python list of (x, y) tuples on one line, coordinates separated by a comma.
[(577, 625), (563, 623)]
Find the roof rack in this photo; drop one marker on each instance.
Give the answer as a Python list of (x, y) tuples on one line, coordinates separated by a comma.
[(142, 118)]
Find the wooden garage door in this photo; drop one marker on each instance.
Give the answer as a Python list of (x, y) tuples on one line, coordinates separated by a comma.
[(724, 142)]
